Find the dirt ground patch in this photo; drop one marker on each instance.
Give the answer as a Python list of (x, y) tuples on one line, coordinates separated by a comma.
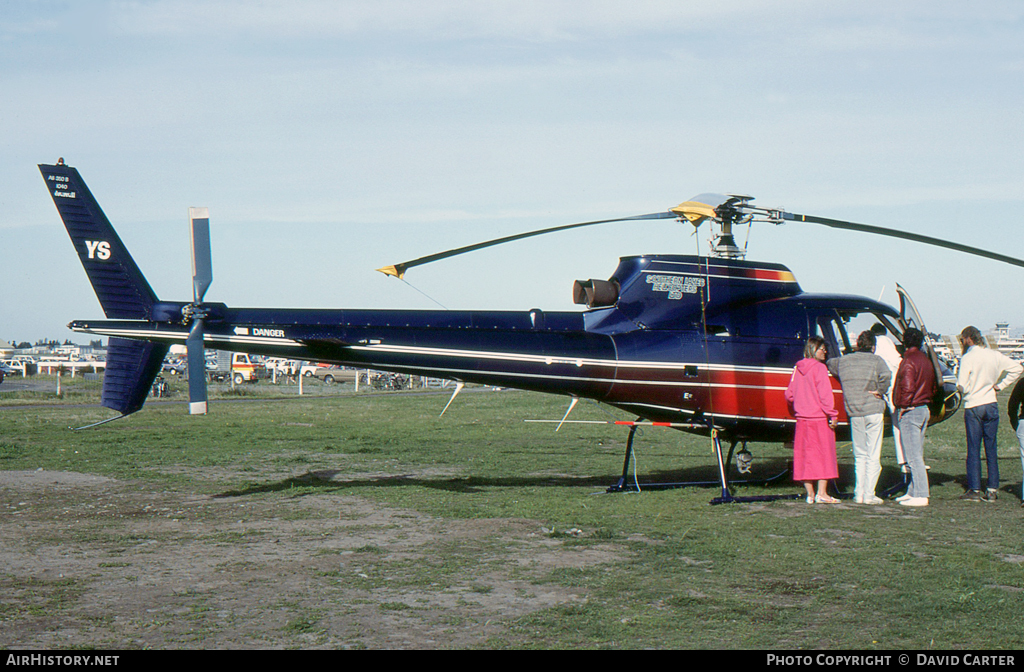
[(91, 561)]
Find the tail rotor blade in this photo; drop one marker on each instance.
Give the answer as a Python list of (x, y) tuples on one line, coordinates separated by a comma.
[(202, 276), (196, 369), (202, 265)]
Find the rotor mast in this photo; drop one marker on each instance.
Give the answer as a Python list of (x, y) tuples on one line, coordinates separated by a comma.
[(728, 211), (730, 215)]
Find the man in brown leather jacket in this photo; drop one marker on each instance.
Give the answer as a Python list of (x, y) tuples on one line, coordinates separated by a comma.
[(914, 389)]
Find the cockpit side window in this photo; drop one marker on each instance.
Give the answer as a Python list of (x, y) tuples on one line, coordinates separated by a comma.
[(851, 324), (828, 328)]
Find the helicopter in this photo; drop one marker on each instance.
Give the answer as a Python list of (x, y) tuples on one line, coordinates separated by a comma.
[(703, 344)]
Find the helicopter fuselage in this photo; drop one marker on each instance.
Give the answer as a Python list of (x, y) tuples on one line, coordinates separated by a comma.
[(705, 341)]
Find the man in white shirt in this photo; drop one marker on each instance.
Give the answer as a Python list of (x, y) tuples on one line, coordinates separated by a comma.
[(886, 349), (981, 374)]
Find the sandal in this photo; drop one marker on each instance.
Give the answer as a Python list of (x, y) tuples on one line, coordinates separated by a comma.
[(810, 500), (825, 499)]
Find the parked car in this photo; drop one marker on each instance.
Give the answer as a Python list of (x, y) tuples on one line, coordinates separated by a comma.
[(175, 367), (6, 371), (335, 374), (283, 367), (21, 367)]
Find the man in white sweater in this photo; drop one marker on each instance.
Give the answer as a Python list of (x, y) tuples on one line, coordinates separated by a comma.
[(981, 374), (886, 349)]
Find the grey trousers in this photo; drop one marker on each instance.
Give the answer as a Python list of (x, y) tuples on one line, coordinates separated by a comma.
[(866, 433), (913, 422)]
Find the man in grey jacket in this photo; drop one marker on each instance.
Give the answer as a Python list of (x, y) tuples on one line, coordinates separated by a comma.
[(865, 380)]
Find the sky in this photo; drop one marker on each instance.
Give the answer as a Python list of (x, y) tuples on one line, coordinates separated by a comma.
[(331, 138)]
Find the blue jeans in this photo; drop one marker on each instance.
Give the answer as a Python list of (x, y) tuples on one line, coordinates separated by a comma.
[(982, 423), (913, 423)]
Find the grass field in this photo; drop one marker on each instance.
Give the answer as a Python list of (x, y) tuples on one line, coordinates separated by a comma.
[(368, 521)]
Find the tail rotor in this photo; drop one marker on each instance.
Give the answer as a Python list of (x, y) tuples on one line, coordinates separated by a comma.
[(202, 276)]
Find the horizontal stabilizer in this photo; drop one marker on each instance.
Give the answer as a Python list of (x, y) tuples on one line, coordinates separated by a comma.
[(132, 366)]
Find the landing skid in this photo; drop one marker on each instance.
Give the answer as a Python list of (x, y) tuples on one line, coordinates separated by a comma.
[(903, 485), (624, 484)]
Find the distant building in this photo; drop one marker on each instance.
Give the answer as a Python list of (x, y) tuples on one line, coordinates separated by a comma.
[(95, 351), (948, 349), (1001, 341), (67, 351), (998, 339)]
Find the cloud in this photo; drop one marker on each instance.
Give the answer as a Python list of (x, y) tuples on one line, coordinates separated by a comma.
[(440, 20)]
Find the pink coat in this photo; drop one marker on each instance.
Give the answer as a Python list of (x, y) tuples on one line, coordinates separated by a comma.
[(812, 401), (810, 394)]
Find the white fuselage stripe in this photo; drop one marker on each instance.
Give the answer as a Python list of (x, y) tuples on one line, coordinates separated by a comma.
[(575, 361), (181, 336)]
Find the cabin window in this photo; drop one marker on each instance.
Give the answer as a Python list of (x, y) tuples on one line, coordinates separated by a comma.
[(828, 328), (842, 329)]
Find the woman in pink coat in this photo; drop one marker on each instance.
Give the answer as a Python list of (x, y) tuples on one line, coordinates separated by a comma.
[(812, 401)]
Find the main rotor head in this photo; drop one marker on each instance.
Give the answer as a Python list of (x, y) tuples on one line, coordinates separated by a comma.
[(725, 210)]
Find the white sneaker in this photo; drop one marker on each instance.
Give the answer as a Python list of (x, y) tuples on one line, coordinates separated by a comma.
[(903, 498), (871, 499), (915, 501)]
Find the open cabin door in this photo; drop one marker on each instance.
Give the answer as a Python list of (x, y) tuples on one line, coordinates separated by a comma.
[(910, 317)]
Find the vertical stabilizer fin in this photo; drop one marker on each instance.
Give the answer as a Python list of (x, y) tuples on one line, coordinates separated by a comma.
[(119, 284)]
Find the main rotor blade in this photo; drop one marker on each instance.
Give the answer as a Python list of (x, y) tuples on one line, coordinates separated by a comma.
[(196, 369), (398, 270), (916, 237), (202, 266)]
